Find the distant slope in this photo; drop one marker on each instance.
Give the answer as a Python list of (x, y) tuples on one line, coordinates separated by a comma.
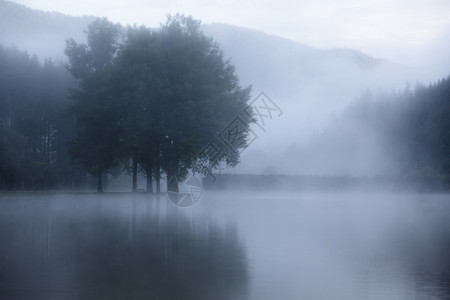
[(38, 32), (279, 66), (308, 83), (286, 68)]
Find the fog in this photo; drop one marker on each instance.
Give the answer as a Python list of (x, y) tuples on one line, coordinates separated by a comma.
[(136, 164), (312, 85)]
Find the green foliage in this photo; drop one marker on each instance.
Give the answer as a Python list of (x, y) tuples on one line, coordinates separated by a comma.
[(97, 145), (103, 43), (159, 102), (203, 95), (33, 126), (413, 126), (154, 98)]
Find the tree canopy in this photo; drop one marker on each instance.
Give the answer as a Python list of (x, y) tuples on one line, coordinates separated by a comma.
[(34, 128), (155, 100)]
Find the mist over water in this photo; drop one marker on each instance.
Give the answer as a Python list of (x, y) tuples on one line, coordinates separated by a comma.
[(229, 246), (326, 171), (344, 246)]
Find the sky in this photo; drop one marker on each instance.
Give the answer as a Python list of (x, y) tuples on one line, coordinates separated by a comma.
[(397, 30)]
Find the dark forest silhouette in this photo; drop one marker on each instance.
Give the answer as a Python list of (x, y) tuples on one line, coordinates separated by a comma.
[(143, 100)]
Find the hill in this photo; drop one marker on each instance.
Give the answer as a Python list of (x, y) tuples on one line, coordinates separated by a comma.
[(38, 32)]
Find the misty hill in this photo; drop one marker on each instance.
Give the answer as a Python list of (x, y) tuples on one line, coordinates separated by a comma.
[(277, 65), (261, 58), (397, 134), (44, 34), (38, 32), (310, 84)]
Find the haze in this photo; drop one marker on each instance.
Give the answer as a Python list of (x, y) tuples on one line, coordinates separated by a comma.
[(394, 30), (313, 59), (230, 150)]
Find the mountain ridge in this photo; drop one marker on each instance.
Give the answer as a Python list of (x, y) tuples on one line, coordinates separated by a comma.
[(34, 30), (297, 44), (26, 21)]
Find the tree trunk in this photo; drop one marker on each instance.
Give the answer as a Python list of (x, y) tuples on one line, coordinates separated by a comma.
[(148, 172), (158, 179), (172, 184), (99, 182), (134, 171), (105, 180)]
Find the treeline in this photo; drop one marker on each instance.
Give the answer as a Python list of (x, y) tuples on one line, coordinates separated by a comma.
[(403, 133), (134, 100), (309, 183), (34, 126)]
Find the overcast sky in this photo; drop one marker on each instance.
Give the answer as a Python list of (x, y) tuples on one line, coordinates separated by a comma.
[(393, 29)]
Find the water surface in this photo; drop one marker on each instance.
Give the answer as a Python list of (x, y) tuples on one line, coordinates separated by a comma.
[(229, 246)]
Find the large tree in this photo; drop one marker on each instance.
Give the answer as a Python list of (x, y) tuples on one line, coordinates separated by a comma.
[(157, 100), (137, 90), (182, 93), (98, 142)]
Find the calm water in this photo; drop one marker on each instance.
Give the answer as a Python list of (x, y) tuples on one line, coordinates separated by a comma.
[(229, 246)]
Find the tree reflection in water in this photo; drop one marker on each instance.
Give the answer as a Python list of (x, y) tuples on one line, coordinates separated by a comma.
[(100, 248)]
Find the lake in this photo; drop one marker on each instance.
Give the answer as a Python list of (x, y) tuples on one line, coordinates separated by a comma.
[(229, 246)]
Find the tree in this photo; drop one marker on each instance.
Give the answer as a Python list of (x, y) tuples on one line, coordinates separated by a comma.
[(96, 110), (33, 128), (157, 100), (204, 98), (182, 92)]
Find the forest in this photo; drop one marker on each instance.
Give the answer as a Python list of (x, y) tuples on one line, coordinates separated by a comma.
[(35, 127), (134, 99), (137, 100), (409, 128)]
